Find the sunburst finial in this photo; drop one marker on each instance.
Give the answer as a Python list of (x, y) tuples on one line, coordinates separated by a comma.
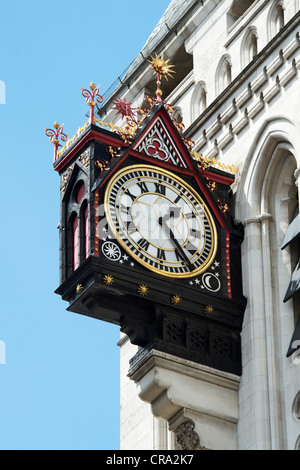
[(161, 68)]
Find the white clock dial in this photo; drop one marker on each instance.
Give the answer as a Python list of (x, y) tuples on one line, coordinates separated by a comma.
[(161, 221)]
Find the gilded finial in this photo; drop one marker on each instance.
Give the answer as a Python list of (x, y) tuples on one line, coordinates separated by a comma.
[(161, 68), (90, 98), (55, 135)]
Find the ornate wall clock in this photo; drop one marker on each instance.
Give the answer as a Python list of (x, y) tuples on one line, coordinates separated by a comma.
[(158, 252), (161, 221)]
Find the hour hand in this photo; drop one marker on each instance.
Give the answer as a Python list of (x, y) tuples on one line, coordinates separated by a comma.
[(162, 222), (173, 212)]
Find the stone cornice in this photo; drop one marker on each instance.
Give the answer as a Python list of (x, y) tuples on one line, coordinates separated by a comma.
[(251, 89)]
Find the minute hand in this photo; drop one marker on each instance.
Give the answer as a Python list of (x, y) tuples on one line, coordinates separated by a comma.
[(162, 222)]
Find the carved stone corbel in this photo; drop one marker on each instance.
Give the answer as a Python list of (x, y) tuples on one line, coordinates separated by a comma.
[(186, 436)]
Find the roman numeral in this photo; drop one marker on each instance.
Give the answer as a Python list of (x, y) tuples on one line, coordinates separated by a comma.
[(161, 254), (144, 244), (133, 197), (160, 188), (143, 187)]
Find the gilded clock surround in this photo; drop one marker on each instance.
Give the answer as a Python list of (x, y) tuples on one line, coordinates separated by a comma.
[(186, 193)]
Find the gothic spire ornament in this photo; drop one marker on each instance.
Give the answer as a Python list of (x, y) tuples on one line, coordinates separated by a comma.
[(161, 69), (90, 98), (54, 136)]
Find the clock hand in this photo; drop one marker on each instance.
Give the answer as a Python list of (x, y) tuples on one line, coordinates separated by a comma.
[(162, 222)]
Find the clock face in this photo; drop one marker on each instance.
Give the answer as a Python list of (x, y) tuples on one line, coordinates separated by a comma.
[(160, 221)]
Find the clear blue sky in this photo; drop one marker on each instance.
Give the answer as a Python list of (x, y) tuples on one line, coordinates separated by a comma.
[(59, 388)]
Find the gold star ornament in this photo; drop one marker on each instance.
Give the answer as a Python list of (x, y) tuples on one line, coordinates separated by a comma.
[(161, 66), (176, 300), (108, 279), (209, 309), (143, 290)]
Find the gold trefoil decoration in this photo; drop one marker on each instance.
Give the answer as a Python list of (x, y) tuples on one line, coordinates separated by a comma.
[(108, 279), (209, 309), (176, 300), (143, 290)]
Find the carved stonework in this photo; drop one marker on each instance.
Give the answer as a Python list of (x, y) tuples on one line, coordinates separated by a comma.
[(186, 437)]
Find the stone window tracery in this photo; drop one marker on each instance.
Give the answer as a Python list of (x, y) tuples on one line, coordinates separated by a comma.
[(224, 74), (199, 101), (276, 19)]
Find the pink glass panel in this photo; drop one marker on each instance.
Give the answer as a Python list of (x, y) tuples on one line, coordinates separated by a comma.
[(86, 232), (75, 244), (80, 193)]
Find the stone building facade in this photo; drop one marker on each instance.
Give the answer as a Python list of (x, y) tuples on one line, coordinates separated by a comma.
[(236, 89)]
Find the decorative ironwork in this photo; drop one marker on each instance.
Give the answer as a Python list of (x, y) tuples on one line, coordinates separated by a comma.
[(113, 151), (90, 98), (102, 165), (55, 135), (223, 206), (186, 436), (84, 159), (161, 68), (212, 185), (123, 108), (65, 178), (204, 163)]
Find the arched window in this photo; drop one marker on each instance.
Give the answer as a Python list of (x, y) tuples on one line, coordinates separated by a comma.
[(78, 228), (249, 46), (75, 233), (275, 19), (266, 199), (224, 74), (85, 230), (199, 101)]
